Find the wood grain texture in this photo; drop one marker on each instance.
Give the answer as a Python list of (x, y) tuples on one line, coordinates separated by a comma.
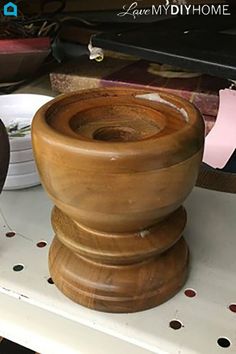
[(118, 186), (217, 180), (4, 154), (119, 279), (118, 167), (119, 248)]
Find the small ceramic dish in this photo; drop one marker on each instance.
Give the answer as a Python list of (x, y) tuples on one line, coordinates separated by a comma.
[(17, 111), (22, 181), (21, 156), (21, 168)]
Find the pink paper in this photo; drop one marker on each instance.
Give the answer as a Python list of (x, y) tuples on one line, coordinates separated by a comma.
[(220, 143)]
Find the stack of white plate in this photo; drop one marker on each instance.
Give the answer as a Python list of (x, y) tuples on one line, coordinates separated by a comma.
[(20, 109)]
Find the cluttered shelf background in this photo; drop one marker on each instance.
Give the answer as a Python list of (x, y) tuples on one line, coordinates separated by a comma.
[(45, 49)]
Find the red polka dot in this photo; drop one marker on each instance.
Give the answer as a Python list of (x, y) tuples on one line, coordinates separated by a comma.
[(175, 324), (190, 293), (50, 281), (10, 234), (232, 308), (41, 244)]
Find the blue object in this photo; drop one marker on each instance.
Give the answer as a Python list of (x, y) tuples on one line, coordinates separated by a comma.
[(10, 9)]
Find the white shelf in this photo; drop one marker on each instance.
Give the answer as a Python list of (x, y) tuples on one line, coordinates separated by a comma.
[(49, 333), (35, 314)]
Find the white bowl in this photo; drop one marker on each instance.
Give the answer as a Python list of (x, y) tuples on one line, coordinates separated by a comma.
[(21, 168), (21, 156), (20, 108), (21, 181)]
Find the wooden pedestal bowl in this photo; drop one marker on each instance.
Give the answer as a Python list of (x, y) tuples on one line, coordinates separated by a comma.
[(118, 164), (4, 154)]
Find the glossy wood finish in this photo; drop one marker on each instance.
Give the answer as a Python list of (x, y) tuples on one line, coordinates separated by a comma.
[(119, 272), (4, 154), (118, 167)]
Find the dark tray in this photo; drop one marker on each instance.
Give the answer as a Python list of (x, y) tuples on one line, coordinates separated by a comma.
[(202, 44)]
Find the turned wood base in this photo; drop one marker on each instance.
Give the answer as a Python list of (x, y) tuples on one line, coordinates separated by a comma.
[(119, 272)]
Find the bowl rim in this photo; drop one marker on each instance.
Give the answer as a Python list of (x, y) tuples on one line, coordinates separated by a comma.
[(167, 143), (22, 143)]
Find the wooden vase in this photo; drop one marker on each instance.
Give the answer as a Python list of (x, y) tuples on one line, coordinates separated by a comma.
[(118, 164), (4, 154)]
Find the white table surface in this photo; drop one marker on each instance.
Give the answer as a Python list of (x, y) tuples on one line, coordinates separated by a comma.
[(35, 314)]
